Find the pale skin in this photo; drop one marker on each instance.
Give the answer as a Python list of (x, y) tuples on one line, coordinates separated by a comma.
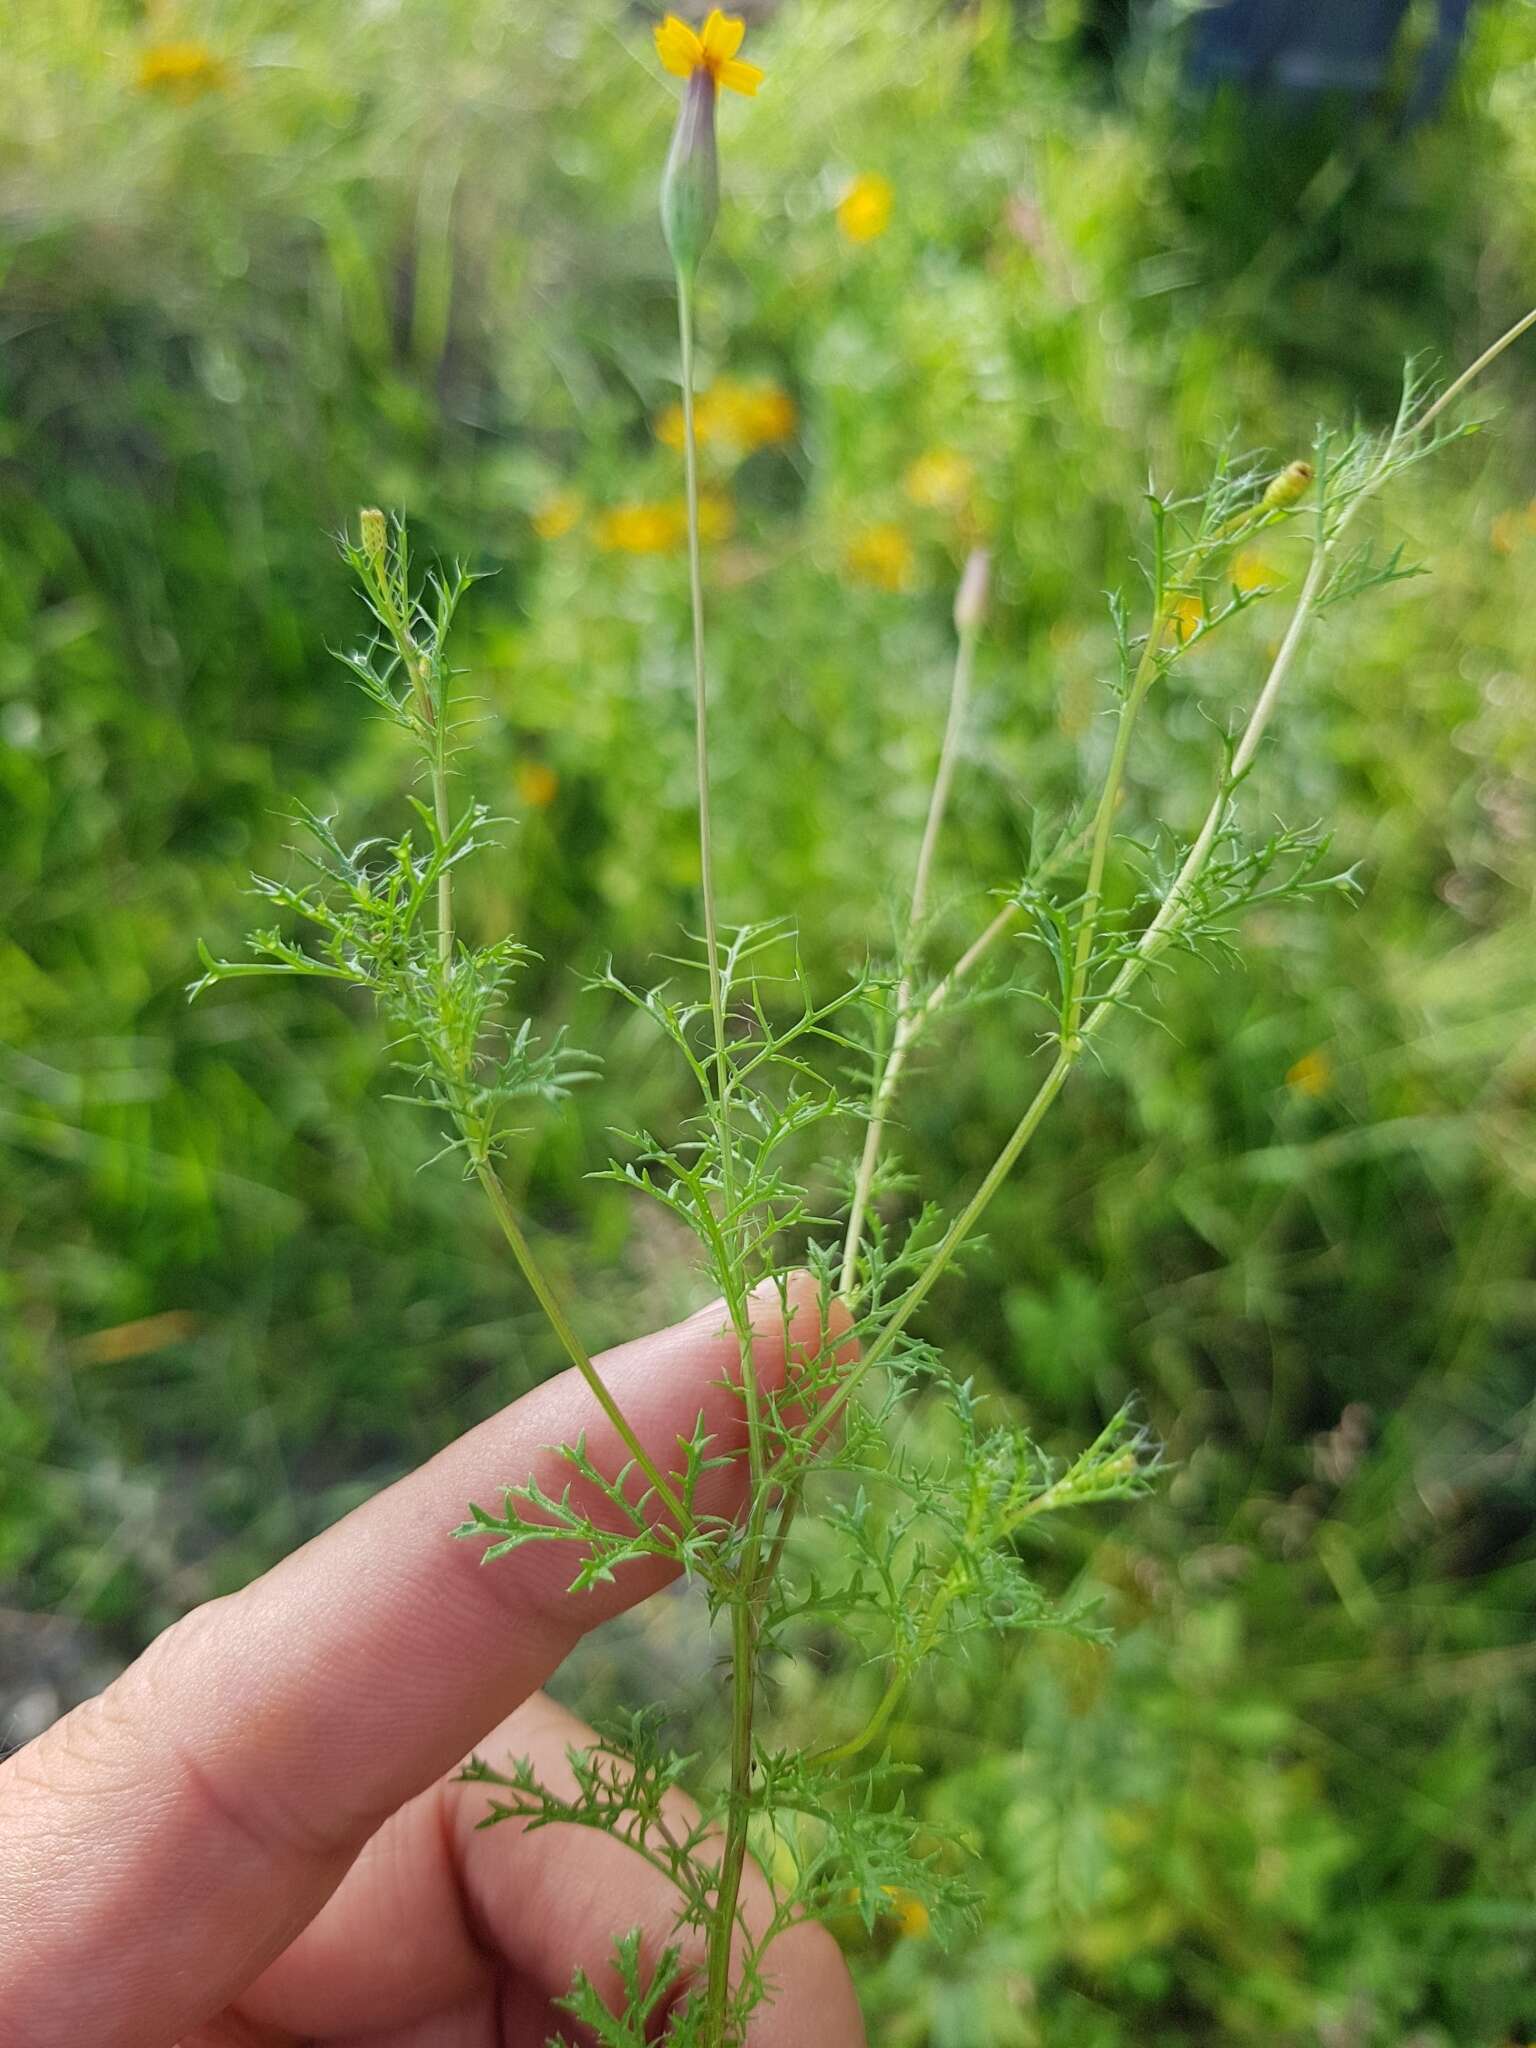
[(253, 1838)]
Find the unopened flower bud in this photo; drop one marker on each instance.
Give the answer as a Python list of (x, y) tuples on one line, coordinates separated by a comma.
[(1284, 490), (690, 184), (375, 532), (971, 597)]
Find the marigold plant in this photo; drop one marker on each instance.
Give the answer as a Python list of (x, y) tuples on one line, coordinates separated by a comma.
[(788, 1164)]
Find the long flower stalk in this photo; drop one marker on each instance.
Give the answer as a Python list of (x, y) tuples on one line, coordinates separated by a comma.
[(969, 613)]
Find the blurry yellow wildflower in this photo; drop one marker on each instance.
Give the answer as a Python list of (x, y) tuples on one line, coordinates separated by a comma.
[(712, 50), (655, 526), (1251, 572), (736, 417), (1186, 618), (909, 1912), (642, 527), (882, 557), (1311, 1075), (759, 415), (558, 514), (181, 70), (940, 480), (864, 211), (537, 784)]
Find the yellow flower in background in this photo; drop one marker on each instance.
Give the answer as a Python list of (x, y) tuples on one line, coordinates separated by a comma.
[(1312, 1074), (864, 211), (740, 418), (760, 415), (558, 514), (940, 480), (641, 528), (181, 70), (685, 51), (1251, 572), (537, 784), (1186, 618), (910, 1914), (655, 526), (881, 557)]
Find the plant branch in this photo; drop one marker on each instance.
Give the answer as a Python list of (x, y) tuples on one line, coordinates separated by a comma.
[(908, 1016), (575, 1350)]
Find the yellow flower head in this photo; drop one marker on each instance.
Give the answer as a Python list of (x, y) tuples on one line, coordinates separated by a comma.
[(940, 480), (881, 557), (712, 50), (737, 418), (1251, 572), (864, 211), (641, 528), (908, 1911), (182, 71), (1186, 617)]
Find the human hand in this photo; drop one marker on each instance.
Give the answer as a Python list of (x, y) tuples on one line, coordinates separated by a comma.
[(250, 1839)]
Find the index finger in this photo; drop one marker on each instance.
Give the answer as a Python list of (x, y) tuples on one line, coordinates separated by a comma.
[(166, 1840)]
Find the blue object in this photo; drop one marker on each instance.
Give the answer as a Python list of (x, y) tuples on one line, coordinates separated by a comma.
[(1302, 48)]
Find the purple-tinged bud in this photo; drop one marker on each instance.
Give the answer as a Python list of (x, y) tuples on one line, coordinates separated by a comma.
[(690, 184)]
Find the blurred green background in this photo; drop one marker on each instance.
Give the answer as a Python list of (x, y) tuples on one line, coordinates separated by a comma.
[(261, 262)]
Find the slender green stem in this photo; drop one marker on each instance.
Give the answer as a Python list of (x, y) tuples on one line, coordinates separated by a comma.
[(1474, 370), (744, 1592), (904, 1030), (434, 724), (735, 1297), (444, 827), (575, 1350), (722, 1929), (700, 679), (1104, 820)]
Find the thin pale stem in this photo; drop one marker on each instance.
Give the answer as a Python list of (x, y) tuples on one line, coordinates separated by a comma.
[(444, 827), (1473, 371), (700, 681), (434, 723), (743, 1595), (1104, 819), (722, 1930), (575, 1350), (908, 1015), (735, 1295)]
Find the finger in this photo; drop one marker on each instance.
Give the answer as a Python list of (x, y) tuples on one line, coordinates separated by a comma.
[(476, 2024), (170, 1837), (517, 2017), (434, 1896)]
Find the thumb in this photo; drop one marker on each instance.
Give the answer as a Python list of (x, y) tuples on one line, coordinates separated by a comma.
[(169, 1838)]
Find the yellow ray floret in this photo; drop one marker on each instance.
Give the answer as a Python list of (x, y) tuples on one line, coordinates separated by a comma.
[(712, 49)]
